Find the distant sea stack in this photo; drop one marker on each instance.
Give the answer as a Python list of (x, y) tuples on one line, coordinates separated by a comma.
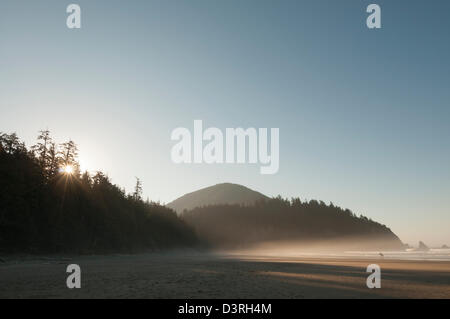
[(234, 216), (423, 247), (225, 193)]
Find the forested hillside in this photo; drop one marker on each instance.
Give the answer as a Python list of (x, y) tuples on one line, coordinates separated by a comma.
[(47, 205), (277, 219)]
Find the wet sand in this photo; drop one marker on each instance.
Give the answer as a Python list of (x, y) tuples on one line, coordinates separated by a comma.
[(192, 275)]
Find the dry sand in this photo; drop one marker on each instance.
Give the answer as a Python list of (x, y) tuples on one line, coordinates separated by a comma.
[(221, 276)]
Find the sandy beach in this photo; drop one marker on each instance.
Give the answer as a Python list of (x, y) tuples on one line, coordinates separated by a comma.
[(194, 275)]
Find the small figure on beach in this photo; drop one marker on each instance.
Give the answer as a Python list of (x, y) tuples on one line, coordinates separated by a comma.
[(381, 254)]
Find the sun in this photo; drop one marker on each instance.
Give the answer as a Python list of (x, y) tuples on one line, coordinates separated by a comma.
[(68, 169)]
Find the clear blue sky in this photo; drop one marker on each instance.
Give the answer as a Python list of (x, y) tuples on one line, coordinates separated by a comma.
[(363, 114)]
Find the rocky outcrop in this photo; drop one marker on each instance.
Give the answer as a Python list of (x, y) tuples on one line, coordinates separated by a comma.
[(422, 246)]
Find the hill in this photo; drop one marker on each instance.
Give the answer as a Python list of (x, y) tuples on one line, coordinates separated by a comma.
[(225, 193)]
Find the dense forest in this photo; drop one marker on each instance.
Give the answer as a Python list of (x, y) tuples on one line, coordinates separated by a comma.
[(277, 219), (47, 205)]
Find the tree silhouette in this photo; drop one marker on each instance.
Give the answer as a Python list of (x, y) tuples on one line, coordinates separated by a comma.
[(41, 148), (53, 160), (137, 195), (69, 155), (11, 144)]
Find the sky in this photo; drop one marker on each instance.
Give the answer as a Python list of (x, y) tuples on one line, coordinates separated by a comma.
[(363, 113)]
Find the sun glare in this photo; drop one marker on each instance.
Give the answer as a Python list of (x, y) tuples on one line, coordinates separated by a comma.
[(68, 169)]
